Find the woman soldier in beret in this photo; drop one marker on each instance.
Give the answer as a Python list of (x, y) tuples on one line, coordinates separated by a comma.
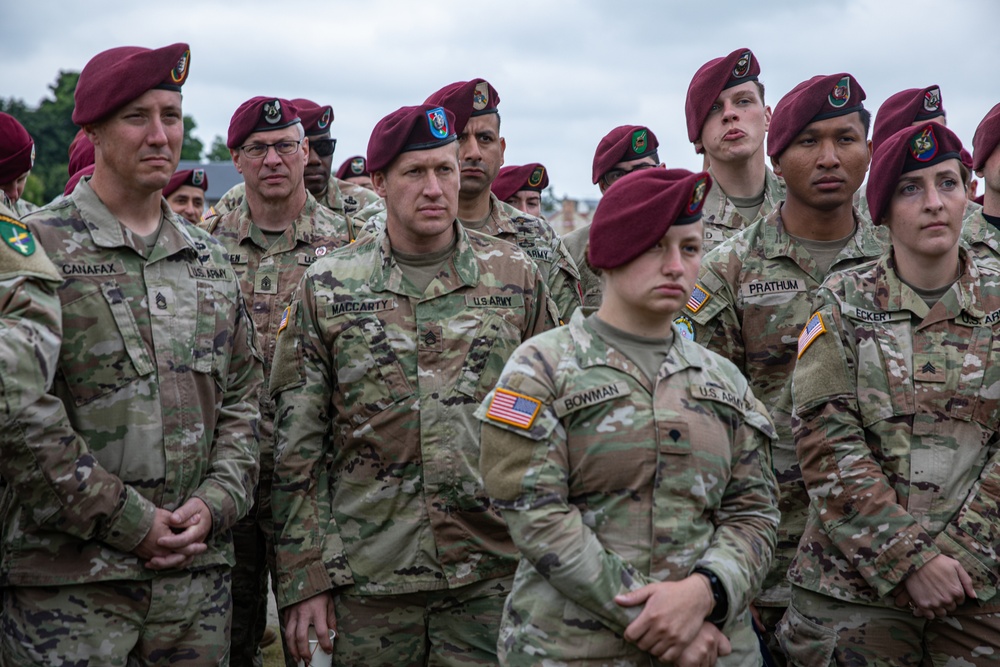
[(629, 462)]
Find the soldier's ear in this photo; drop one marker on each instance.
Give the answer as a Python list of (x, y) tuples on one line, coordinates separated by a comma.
[(775, 166), (378, 182)]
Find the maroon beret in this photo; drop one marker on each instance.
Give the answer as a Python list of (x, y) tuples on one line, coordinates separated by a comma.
[(466, 99), (516, 178), (353, 166), (75, 178), (966, 157), (909, 149), (17, 150), (903, 110), (639, 208), (409, 129), (195, 177), (710, 80), (81, 153), (819, 98), (986, 138), (260, 114), (115, 77), (625, 142), (315, 119)]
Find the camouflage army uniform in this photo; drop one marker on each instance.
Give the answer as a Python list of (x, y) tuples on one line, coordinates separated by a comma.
[(377, 490), (590, 283), (897, 431), (754, 294), (533, 235), (268, 276), (721, 218), (342, 197), (158, 381), (697, 492), (23, 207), (982, 238)]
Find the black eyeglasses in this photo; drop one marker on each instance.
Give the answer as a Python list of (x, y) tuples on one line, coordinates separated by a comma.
[(323, 147), (614, 174), (257, 151)]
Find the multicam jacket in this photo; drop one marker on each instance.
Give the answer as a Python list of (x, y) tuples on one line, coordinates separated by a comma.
[(377, 482), (609, 482), (754, 294), (721, 218), (157, 381), (896, 427)]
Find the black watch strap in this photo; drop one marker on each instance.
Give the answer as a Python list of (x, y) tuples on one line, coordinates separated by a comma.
[(721, 609)]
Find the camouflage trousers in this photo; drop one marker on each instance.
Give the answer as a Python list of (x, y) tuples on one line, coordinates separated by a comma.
[(178, 618), (819, 630), (457, 626)]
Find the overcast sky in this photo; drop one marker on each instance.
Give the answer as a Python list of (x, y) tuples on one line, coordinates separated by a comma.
[(567, 71)]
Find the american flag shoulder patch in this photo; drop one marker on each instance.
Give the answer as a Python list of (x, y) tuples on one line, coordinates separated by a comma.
[(813, 329), (699, 297), (513, 408), (284, 319)]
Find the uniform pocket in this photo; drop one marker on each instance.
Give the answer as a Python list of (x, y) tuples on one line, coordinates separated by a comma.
[(102, 350), (368, 372), (805, 642), (495, 340)]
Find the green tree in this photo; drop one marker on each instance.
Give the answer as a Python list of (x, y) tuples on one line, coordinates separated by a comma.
[(192, 147), (218, 152)]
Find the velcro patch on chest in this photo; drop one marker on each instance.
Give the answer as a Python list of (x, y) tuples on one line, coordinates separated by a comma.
[(707, 392), (763, 287), (578, 400), (238, 258), (873, 316), (495, 301), (209, 272), (361, 306), (91, 269)]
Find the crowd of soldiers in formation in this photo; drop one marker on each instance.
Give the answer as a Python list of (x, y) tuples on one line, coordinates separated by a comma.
[(746, 416)]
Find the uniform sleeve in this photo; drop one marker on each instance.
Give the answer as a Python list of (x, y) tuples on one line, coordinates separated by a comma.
[(564, 283), (49, 466), (310, 553), (712, 308), (747, 519), (228, 487), (854, 501), (525, 471), (972, 537)]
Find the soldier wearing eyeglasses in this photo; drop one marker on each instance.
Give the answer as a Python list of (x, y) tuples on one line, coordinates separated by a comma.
[(625, 149), (278, 230)]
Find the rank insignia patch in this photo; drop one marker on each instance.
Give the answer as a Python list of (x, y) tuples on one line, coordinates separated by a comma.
[(639, 141), (514, 409), (699, 297), (438, 121), (841, 93), (17, 236), (742, 66), (813, 329), (180, 71), (536, 177), (923, 147)]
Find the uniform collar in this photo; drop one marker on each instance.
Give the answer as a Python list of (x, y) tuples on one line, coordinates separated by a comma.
[(388, 276), (778, 243), (892, 295), (302, 228)]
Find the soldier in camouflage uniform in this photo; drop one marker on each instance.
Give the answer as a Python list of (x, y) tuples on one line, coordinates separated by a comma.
[(625, 149), (896, 428), (627, 564), (727, 121), (17, 157), (116, 545), (276, 233), (355, 170), (982, 231), (383, 529), (341, 197), (481, 148), (755, 291), (185, 194), (521, 186)]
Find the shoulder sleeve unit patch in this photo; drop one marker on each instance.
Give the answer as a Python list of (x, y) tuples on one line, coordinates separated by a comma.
[(514, 409), (813, 329)]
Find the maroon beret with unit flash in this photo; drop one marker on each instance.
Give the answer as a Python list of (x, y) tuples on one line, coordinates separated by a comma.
[(710, 80), (625, 142), (260, 114), (17, 150), (819, 98), (81, 153), (639, 208), (903, 110), (516, 178), (409, 129), (194, 177), (909, 149), (986, 138), (115, 77), (353, 166), (316, 119), (466, 99)]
